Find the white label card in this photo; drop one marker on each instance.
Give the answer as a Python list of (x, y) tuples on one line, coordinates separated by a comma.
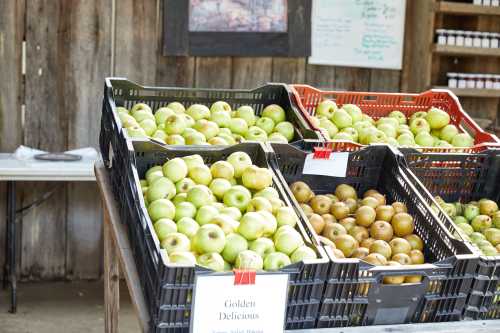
[(334, 166), (220, 306)]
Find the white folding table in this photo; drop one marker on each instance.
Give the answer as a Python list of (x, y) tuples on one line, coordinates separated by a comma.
[(13, 170)]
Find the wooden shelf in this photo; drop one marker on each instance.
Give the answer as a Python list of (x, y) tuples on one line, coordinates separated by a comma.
[(465, 51), (458, 8), (482, 93)]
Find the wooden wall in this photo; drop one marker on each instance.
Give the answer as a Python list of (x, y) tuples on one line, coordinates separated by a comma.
[(71, 46)]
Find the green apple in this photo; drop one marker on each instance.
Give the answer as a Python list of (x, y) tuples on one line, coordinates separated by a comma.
[(198, 111), (140, 107), (376, 136), (341, 119), (176, 242), (399, 116), (460, 219), (265, 123), (235, 244), (136, 132), (481, 223), (220, 106), (424, 139), (175, 169), (270, 223), (419, 114), (471, 211), (212, 261), (160, 135), (205, 214), (184, 209), (392, 142), (183, 185), (476, 237), (209, 238), (495, 219), (221, 118), (225, 222), (193, 160), (286, 129), (121, 109), (195, 138), (201, 174), (286, 216), (285, 228), (234, 212), (388, 120), (127, 120), (277, 137), (249, 260), (176, 107), (448, 132), (175, 124), (153, 173), (252, 226), (492, 235), (142, 115), (361, 125), (206, 127), (237, 196), (466, 228), (406, 139), (442, 143), (259, 203), (462, 140), (255, 133), (388, 129), (149, 126), (327, 125), (238, 138), (275, 112), (187, 226), (268, 193), (276, 261), (255, 178), (162, 114), (276, 203), (219, 186), (175, 139), (222, 169), (228, 138), (326, 108), (218, 205), (314, 121), (352, 133), (182, 258), (143, 182), (288, 241), (303, 253), (240, 161), (164, 227), (354, 111), (161, 208), (199, 195), (161, 188), (188, 120), (419, 125), (246, 113), (263, 246), (367, 118), (238, 126), (437, 118), (403, 129)]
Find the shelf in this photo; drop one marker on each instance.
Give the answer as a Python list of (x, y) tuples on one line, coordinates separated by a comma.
[(482, 93), (458, 8), (465, 51)]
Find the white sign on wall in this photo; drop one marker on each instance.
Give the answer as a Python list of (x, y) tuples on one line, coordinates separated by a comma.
[(358, 33), (220, 306)]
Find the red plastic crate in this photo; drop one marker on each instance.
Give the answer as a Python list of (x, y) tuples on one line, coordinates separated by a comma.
[(378, 105)]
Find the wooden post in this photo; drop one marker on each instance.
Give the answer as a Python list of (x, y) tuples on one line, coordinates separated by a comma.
[(111, 279)]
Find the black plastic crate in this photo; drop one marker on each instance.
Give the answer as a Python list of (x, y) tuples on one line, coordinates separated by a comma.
[(122, 92), (355, 293), (464, 178), (168, 289)]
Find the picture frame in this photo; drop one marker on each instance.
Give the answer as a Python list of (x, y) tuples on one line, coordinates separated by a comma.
[(178, 40)]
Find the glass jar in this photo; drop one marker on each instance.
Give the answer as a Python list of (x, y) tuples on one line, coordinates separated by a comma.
[(451, 38), (479, 81), (496, 84), (486, 2), (488, 81), (462, 82), (485, 40), (478, 2), (470, 81), (477, 40), (441, 36), (468, 39), (494, 40), (452, 80), (495, 3), (459, 40)]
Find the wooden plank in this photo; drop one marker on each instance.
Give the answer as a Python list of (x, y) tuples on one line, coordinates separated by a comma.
[(419, 30), (11, 91), (175, 20), (111, 280), (385, 80), (175, 71), (249, 73), (213, 72), (465, 51), (136, 47), (322, 77), (299, 28), (91, 64), (457, 8), (352, 79), (289, 70)]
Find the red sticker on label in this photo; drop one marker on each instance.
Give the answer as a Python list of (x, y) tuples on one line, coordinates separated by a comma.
[(322, 153), (243, 276)]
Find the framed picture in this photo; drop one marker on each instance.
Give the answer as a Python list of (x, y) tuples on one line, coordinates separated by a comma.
[(237, 28)]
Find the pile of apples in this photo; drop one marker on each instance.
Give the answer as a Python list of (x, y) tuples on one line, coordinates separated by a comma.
[(222, 216), (368, 228), (199, 125), (424, 129), (479, 221)]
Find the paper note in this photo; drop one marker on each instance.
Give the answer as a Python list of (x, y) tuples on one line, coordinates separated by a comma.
[(334, 166), (358, 33)]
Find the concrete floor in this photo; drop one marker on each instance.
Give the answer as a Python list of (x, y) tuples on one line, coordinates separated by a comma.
[(51, 307)]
